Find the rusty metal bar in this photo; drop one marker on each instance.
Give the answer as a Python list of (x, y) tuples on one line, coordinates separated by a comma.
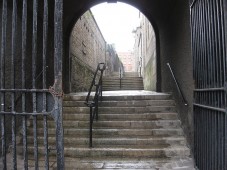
[(24, 49), (2, 80), (14, 37), (24, 114), (34, 58), (26, 90), (210, 89), (45, 38), (58, 46)]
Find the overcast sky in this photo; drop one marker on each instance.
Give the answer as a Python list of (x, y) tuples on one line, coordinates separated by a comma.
[(116, 22)]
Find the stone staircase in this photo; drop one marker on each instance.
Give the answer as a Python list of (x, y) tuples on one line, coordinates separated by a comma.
[(135, 130), (129, 81)]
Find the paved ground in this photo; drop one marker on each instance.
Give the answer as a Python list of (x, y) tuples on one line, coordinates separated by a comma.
[(125, 164)]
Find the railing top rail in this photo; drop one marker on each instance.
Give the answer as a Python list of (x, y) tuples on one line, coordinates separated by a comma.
[(94, 103), (178, 87)]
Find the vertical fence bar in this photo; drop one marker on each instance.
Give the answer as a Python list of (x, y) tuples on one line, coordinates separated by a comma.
[(14, 33), (34, 58), (45, 38), (24, 46), (2, 80), (224, 37), (209, 59), (58, 20)]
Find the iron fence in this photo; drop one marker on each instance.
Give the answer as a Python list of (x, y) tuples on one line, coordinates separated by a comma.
[(208, 27), (25, 50)]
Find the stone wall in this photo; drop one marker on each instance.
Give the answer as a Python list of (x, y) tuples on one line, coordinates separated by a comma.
[(113, 62), (87, 49), (145, 53), (175, 45)]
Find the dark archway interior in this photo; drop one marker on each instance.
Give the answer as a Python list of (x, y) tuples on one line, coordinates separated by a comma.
[(79, 62), (171, 22)]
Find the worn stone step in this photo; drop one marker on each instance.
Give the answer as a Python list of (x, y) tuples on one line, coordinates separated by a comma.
[(114, 81), (118, 88), (174, 152), (138, 124), (106, 116), (123, 78), (121, 109), (117, 163), (124, 96), (113, 133), (138, 103), (106, 84), (123, 87), (180, 152), (117, 124), (115, 142)]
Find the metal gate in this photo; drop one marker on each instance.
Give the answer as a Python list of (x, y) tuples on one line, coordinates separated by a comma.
[(208, 27), (30, 61)]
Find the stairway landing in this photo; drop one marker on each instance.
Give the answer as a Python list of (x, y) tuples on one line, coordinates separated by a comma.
[(138, 109)]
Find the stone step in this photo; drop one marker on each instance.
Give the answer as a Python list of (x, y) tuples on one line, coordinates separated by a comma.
[(123, 86), (138, 124), (121, 109), (165, 124), (159, 152), (118, 88), (123, 78), (110, 97), (114, 133), (141, 116), (126, 87), (138, 103), (180, 152), (123, 83), (118, 163), (115, 142)]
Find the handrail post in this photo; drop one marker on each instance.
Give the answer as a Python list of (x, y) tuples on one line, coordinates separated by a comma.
[(91, 122), (98, 96), (120, 77), (101, 83)]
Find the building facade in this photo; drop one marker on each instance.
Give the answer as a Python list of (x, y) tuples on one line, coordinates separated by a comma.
[(145, 53), (128, 61)]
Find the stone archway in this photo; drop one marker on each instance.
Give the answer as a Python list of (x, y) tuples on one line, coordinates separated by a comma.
[(70, 26)]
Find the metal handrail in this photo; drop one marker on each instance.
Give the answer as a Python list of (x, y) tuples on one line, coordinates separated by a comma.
[(177, 85), (121, 74), (94, 104)]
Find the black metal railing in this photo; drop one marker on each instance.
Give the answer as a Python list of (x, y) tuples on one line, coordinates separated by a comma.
[(208, 37), (121, 74), (93, 103), (177, 85)]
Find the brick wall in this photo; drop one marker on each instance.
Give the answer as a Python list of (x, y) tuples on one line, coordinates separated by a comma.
[(87, 49)]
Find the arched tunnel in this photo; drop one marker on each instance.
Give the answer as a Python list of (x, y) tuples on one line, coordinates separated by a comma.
[(35, 73), (171, 23)]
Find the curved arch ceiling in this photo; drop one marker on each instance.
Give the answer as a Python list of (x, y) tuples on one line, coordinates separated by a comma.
[(155, 10)]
